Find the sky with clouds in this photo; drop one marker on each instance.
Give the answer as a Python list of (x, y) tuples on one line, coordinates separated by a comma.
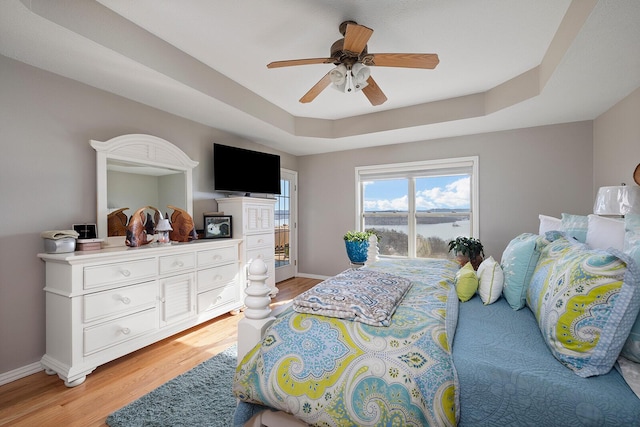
[(442, 192)]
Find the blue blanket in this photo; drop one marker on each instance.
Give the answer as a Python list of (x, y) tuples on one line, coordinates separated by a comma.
[(332, 371), (508, 376)]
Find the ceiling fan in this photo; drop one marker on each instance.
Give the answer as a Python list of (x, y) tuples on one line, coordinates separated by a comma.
[(352, 60)]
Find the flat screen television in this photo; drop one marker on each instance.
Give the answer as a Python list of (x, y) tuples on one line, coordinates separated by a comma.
[(246, 171)]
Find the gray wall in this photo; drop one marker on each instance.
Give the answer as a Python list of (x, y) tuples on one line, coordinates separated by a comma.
[(616, 142), (523, 173), (48, 181)]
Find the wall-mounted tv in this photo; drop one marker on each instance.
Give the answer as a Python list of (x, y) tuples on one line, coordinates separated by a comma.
[(246, 171)]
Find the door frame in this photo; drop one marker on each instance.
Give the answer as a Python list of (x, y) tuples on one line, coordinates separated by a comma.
[(290, 270)]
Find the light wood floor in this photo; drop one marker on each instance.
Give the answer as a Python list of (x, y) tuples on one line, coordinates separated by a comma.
[(43, 400)]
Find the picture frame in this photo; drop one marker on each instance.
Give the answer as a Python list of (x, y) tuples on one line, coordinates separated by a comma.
[(217, 226), (85, 231)]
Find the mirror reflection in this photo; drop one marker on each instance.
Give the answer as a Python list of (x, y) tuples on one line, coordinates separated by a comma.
[(131, 186)]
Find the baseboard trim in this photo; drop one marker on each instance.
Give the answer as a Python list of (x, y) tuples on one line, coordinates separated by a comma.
[(16, 374), (312, 276)]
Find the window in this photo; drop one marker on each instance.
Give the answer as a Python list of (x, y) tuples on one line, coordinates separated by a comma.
[(417, 208)]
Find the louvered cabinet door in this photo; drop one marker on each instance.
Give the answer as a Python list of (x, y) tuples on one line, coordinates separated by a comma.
[(177, 298)]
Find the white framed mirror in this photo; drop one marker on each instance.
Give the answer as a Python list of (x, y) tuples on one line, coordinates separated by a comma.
[(139, 170)]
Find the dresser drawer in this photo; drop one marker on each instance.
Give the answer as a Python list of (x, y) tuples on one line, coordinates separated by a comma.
[(119, 301), (119, 330), (117, 273), (266, 254), (176, 263), (216, 277), (259, 240), (217, 256), (217, 297)]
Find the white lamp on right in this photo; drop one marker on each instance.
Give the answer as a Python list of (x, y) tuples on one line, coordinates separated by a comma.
[(618, 200)]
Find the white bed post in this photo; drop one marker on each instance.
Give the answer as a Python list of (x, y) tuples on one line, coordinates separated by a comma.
[(373, 251), (257, 316)]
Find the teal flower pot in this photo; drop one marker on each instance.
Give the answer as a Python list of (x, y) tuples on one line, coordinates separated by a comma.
[(357, 251)]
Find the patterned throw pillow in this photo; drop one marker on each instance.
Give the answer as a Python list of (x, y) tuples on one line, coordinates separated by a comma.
[(631, 349), (466, 282), (490, 281), (575, 226), (518, 262), (586, 306), (559, 247)]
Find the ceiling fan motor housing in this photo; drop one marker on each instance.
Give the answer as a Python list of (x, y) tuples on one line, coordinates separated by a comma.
[(345, 57)]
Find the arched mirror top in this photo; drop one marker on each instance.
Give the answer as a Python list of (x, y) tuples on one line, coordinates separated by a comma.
[(140, 170)]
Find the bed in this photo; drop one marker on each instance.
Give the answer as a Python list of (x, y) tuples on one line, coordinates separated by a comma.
[(443, 362)]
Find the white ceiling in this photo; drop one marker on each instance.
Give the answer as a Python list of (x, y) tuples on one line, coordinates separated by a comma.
[(504, 64)]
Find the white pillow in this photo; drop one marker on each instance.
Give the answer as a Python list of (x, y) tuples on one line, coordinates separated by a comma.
[(605, 233), (490, 281), (549, 223)]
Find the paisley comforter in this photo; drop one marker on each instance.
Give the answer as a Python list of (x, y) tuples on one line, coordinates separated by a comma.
[(332, 372)]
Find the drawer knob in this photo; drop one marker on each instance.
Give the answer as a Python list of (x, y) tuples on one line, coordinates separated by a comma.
[(125, 300), (126, 273), (219, 298), (126, 331), (218, 277), (179, 263)]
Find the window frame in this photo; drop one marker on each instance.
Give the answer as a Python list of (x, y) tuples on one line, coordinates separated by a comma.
[(408, 170)]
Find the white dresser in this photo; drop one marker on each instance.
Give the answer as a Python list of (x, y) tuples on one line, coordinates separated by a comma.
[(253, 222), (101, 305)]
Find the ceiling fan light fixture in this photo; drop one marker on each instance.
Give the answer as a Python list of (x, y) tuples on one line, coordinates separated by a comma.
[(338, 75), (360, 75), (349, 80)]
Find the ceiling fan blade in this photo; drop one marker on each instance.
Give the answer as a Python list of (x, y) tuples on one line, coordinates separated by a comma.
[(404, 60), (292, 62), (373, 92), (356, 38), (316, 89)]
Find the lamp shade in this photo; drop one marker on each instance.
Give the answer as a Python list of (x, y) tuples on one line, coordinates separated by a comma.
[(163, 225), (617, 200), (338, 75), (360, 75)]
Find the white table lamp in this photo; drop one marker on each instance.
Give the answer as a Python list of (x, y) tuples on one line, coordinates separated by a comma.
[(617, 200)]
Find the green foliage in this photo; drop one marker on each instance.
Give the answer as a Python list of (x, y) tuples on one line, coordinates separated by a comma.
[(358, 236), (431, 247), (396, 243), (392, 242), (466, 246)]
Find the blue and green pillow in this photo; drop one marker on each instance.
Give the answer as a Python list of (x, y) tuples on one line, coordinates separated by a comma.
[(585, 301)]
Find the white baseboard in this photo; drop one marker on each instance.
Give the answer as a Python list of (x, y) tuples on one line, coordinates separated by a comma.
[(16, 374), (312, 276)]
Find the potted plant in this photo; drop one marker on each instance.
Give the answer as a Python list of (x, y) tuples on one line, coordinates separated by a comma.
[(467, 249), (357, 244)]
